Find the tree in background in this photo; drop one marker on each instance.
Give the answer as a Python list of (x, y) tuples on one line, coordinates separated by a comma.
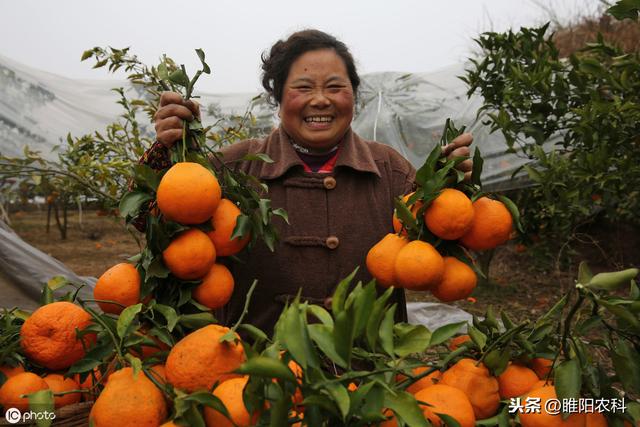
[(576, 118)]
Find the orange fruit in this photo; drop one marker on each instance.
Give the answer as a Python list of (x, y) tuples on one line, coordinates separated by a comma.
[(58, 384), (129, 400), (230, 393), (475, 381), (48, 336), (397, 224), (447, 400), (424, 382), (381, 259), (458, 281), (223, 222), (541, 366), (516, 380), (190, 255), (595, 419), (457, 341), (450, 215), (543, 418), (188, 193), (10, 371), (170, 424), (120, 283), (491, 226), (216, 287), (16, 386), (199, 359), (418, 266)]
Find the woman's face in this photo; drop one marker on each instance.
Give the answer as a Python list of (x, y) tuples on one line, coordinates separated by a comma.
[(317, 100)]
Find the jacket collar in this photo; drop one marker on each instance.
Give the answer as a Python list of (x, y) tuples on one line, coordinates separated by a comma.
[(354, 153)]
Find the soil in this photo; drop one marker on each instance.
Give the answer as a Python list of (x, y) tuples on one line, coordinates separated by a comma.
[(518, 281)]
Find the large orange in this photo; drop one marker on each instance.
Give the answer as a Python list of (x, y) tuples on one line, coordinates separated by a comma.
[(491, 226), (59, 384), (190, 255), (516, 380), (424, 382), (230, 393), (458, 281), (188, 193), (450, 215), (216, 287), (129, 400), (120, 283), (543, 418), (397, 224), (476, 382), (223, 222), (418, 266), (447, 400), (48, 336), (16, 386), (198, 360), (381, 259)]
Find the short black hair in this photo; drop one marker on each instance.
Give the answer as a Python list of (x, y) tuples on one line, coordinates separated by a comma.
[(277, 62)]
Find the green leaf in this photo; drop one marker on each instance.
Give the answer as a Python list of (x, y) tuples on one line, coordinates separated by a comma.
[(263, 366), (625, 9), (406, 407), (386, 331), (255, 332), (476, 171), (146, 177), (83, 365), (373, 325), (340, 396), (197, 320), (568, 379), (584, 273), (339, 295), (131, 202), (427, 170), (411, 339), (497, 360), (57, 282), (46, 295), (626, 362), (179, 77), (242, 228), (362, 307), (321, 314), (479, 338), (169, 314), (41, 402), (205, 67), (322, 335), (343, 335), (296, 337), (86, 55), (513, 210), (612, 281), (443, 333), (126, 318)]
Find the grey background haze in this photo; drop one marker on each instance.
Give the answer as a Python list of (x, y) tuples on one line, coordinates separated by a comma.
[(403, 35)]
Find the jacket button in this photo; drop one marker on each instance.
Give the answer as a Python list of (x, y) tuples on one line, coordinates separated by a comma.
[(332, 242), (329, 183)]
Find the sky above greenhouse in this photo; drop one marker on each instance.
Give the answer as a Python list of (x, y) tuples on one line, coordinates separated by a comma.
[(403, 35)]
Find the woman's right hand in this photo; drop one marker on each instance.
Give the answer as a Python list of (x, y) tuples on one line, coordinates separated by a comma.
[(170, 116)]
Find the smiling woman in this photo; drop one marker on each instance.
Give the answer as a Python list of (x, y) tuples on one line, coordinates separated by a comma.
[(337, 188)]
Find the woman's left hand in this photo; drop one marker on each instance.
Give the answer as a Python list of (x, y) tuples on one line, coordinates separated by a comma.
[(459, 147)]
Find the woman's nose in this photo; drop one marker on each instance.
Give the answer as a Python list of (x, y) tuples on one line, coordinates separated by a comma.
[(319, 99)]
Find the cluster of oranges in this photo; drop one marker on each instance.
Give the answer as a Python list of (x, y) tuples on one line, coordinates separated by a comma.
[(190, 195), (418, 265), (467, 392)]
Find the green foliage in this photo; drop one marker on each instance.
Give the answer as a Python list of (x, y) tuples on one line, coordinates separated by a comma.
[(577, 119)]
